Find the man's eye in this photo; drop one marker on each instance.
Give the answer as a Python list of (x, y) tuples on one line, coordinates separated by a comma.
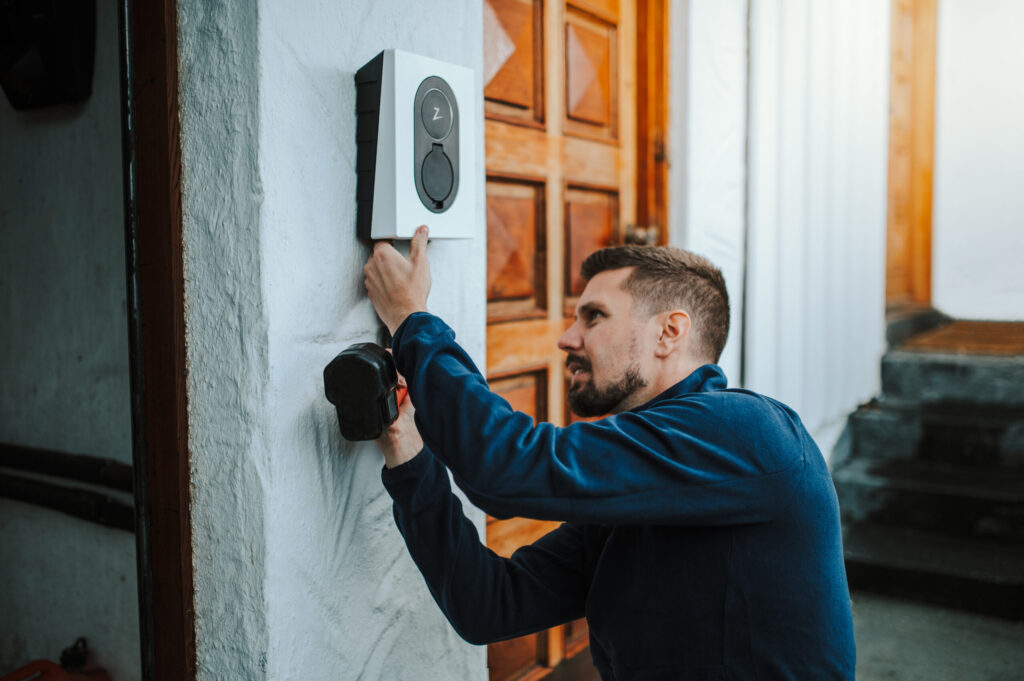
[(594, 314)]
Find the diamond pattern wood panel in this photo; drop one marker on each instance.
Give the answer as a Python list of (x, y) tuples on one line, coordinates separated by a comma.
[(513, 60), (591, 222), (590, 75), (515, 249)]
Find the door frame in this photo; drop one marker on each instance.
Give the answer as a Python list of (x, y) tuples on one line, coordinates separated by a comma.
[(653, 84), (151, 147), (908, 279)]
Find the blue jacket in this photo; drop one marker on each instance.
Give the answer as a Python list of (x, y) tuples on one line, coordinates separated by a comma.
[(702, 537)]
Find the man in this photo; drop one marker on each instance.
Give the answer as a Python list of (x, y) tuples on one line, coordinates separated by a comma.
[(702, 535)]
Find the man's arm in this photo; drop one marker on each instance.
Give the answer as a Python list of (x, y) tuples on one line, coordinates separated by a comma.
[(485, 597), (688, 462), (684, 463)]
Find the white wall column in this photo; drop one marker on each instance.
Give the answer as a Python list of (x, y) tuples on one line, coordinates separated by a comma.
[(300, 571), (712, 177), (819, 87)]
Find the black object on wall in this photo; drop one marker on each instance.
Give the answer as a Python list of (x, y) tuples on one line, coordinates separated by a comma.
[(362, 384), (47, 51)]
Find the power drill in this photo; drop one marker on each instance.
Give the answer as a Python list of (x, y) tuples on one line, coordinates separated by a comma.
[(362, 384)]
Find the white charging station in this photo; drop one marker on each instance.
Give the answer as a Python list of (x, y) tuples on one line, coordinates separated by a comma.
[(415, 136)]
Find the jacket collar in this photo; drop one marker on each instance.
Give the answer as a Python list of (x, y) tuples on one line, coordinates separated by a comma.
[(704, 379)]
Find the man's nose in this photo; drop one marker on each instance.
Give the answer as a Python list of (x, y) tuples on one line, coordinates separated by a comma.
[(571, 339)]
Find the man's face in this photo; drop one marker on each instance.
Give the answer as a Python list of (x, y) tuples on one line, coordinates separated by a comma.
[(606, 347)]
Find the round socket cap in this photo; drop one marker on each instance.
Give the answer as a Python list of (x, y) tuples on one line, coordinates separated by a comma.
[(436, 114), (438, 176)]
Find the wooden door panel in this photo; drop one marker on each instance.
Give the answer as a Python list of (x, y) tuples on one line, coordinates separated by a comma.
[(516, 273), (590, 50), (519, 151), (522, 344), (585, 162), (591, 222), (505, 536), (561, 156), (525, 391), (514, 60), (510, 659), (606, 9)]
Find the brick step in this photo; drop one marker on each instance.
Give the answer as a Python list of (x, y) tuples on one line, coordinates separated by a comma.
[(968, 574), (949, 378), (939, 497), (984, 436)]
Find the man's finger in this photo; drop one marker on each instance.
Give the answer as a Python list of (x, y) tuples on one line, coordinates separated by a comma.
[(419, 243)]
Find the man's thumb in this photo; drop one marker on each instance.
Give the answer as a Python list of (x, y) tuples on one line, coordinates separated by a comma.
[(418, 247)]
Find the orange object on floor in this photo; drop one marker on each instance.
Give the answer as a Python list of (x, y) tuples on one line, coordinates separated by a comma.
[(44, 670)]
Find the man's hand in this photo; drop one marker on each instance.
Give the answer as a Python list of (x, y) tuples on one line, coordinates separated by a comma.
[(398, 287), (401, 441)]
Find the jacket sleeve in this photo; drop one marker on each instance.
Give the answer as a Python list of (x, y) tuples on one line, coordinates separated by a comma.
[(692, 460), (486, 597)]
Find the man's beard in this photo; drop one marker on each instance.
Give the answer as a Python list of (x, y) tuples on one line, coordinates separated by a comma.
[(588, 400)]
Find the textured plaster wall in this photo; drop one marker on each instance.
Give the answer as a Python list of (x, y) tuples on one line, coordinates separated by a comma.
[(64, 367), (300, 572), (977, 223), (227, 343)]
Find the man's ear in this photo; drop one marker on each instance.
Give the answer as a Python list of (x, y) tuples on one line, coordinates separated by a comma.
[(674, 333)]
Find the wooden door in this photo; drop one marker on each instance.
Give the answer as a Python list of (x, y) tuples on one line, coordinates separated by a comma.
[(911, 151), (560, 84)]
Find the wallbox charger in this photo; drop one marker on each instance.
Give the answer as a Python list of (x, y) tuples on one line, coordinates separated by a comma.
[(415, 135)]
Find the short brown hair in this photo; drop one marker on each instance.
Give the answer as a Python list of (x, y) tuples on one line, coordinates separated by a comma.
[(666, 278)]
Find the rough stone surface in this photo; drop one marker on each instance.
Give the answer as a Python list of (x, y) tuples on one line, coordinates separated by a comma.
[(64, 381), (937, 378), (300, 572)]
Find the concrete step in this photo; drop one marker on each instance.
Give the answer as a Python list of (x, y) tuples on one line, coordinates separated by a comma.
[(906, 321), (947, 378), (944, 498), (984, 436), (958, 572)]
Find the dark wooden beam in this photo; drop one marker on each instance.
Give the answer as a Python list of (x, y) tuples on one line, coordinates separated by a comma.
[(157, 325), (652, 115)]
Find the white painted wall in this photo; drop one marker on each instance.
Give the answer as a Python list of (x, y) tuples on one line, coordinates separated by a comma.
[(64, 381), (799, 134), (300, 571), (714, 211), (819, 87), (978, 205)]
